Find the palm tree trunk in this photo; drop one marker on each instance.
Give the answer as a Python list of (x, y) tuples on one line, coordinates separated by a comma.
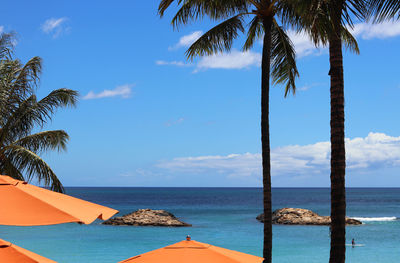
[(266, 162), (338, 155)]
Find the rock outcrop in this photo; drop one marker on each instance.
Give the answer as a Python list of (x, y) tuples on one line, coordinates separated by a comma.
[(147, 217), (298, 216)]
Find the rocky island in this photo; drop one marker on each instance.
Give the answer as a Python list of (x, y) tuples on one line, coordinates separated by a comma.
[(298, 216), (147, 217)]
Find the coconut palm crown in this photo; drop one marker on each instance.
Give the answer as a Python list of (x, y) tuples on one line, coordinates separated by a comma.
[(278, 58), (21, 113)]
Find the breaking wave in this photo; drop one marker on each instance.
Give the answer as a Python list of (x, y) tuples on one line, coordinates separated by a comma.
[(375, 219)]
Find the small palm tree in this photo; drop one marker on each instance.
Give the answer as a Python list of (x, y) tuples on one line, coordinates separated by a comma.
[(326, 21), (278, 59), (21, 113)]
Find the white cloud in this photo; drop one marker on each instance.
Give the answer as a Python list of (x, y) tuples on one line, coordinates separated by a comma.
[(304, 88), (172, 63), (1, 29), (55, 26), (123, 91), (174, 122), (309, 86), (232, 60), (382, 30), (303, 45), (187, 40), (375, 151)]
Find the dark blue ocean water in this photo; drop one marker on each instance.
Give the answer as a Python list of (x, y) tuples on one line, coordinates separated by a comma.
[(223, 217)]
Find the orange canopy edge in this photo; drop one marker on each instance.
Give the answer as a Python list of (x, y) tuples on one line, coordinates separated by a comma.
[(11, 253), (193, 252), (23, 204)]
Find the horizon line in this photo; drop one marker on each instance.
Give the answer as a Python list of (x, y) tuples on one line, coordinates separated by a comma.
[(260, 187)]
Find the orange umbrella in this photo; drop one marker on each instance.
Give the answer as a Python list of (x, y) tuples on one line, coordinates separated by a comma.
[(11, 253), (22, 204), (193, 252)]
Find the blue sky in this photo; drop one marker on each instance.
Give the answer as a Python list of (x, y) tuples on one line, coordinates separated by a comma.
[(149, 117)]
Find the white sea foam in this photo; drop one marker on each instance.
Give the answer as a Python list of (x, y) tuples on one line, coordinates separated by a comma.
[(371, 219)]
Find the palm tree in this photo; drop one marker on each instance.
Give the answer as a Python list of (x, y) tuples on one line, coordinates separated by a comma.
[(21, 113), (278, 60), (326, 21)]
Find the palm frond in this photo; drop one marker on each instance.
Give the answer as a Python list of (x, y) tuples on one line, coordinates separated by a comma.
[(27, 76), (56, 99), (255, 31), (17, 81), (31, 113), (33, 166), (191, 10), (283, 59), (291, 13), (7, 168), (349, 41), (20, 122), (164, 4), (356, 8), (217, 39), (6, 45), (380, 10), (44, 141), (314, 20)]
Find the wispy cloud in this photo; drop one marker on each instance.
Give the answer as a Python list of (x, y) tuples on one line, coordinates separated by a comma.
[(123, 91), (174, 122), (1, 29), (308, 86), (172, 63), (234, 164), (187, 40), (140, 172), (304, 88), (375, 151), (55, 26)]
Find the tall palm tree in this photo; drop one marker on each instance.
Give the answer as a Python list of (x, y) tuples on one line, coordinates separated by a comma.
[(326, 22), (278, 60), (21, 113)]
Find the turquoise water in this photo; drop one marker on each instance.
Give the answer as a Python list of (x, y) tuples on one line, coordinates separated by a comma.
[(223, 217)]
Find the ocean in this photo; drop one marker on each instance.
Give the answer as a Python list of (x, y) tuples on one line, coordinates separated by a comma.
[(223, 217)]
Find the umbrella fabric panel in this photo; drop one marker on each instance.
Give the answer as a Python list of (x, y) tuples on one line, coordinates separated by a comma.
[(194, 252), (21, 209), (22, 204), (11, 253)]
